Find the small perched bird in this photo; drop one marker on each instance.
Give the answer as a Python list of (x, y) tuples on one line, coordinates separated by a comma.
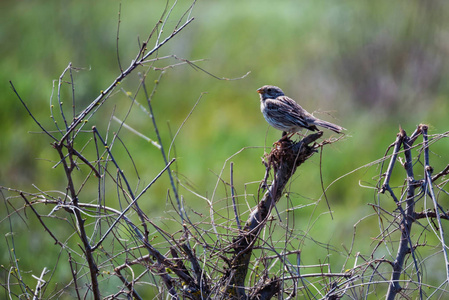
[(283, 113)]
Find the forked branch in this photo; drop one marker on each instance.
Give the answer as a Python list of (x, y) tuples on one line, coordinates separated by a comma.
[(284, 159)]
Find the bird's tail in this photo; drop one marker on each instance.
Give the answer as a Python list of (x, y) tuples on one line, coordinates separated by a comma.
[(328, 125)]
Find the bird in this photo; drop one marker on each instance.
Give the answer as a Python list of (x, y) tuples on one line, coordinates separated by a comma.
[(284, 114)]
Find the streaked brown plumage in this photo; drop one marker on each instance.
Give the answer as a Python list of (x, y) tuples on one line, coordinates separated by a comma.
[(283, 113)]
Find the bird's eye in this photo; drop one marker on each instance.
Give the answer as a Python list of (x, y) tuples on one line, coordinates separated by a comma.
[(269, 90)]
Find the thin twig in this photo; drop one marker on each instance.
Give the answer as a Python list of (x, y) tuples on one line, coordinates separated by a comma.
[(133, 202), (149, 97), (118, 37), (234, 205), (29, 112), (124, 74), (429, 187)]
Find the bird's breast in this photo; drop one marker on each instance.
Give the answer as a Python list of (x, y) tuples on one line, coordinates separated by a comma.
[(262, 105)]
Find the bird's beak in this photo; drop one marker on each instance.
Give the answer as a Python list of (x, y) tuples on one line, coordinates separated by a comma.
[(260, 91)]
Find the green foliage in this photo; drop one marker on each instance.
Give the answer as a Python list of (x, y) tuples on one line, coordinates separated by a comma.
[(373, 65)]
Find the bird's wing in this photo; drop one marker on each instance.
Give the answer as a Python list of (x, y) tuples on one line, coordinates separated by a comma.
[(304, 118), (296, 108), (286, 108)]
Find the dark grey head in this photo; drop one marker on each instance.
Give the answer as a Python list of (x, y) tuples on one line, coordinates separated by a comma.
[(270, 92)]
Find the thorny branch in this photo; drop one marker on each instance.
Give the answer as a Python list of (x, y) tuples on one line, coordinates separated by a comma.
[(134, 64), (284, 159), (408, 216), (183, 270)]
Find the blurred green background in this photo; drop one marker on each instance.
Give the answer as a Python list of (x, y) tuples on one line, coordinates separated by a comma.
[(369, 66)]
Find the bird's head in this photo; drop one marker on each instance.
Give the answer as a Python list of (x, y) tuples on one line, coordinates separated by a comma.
[(270, 92)]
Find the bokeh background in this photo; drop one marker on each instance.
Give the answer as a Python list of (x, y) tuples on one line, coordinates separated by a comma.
[(370, 66)]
